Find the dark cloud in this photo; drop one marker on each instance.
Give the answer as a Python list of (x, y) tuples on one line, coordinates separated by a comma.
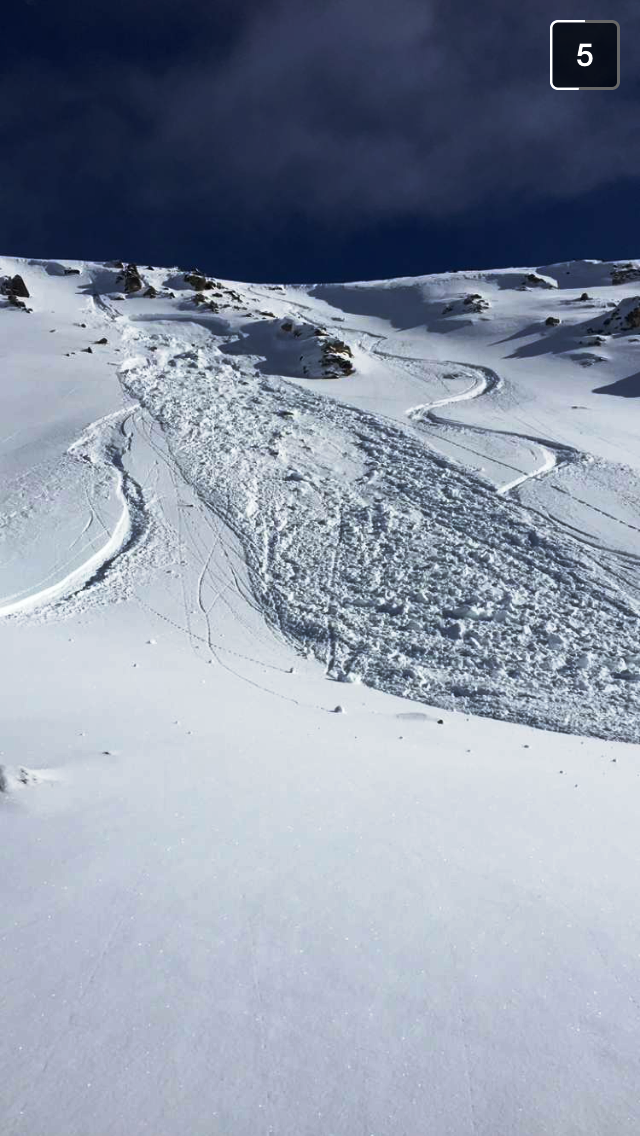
[(345, 110)]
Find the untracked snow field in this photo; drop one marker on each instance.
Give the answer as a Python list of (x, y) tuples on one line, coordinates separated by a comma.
[(320, 761)]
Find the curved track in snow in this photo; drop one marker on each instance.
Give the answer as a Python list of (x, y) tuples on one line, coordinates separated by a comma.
[(92, 447), (553, 454)]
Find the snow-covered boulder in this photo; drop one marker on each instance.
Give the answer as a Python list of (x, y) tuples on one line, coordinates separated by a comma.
[(625, 317), (535, 280), (472, 302)]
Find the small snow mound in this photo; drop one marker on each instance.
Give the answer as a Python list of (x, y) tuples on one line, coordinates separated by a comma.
[(54, 268)]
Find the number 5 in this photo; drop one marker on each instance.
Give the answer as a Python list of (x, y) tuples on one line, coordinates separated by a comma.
[(582, 50)]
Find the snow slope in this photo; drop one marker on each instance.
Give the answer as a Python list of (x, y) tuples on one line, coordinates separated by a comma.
[(228, 908)]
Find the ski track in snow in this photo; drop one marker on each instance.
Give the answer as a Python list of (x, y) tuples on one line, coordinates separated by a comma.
[(487, 381), (138, 543), (93, 448)]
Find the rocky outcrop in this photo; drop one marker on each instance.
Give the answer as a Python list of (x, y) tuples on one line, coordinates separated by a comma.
[(552, 321), (131, 280), (336, 359), (201, 299), (623, 318), (472, 302), (14, 286), (625, 273), (14, 302), (534, 280), (198, 281), (324, 356)]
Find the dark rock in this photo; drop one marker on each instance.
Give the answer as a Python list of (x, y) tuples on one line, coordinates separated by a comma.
[(552, 321), (533, 280), (198, 281), (14, 302), (132, 281), (475, 302), (585, 296), (14, 286), (19, 288), (151, 292), (88, 350), (72, 271), (337, 345), (102, 342)]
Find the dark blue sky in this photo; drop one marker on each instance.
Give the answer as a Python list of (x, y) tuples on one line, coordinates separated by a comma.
[(317, 140)]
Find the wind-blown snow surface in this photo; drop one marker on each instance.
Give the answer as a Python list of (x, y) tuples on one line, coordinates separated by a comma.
[(227, 908)]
